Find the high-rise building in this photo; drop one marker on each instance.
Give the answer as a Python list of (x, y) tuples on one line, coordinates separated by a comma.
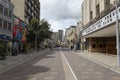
[(27, 9), (6, 18), (60, 33)]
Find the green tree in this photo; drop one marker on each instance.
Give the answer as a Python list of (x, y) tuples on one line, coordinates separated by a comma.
[(38, 31)]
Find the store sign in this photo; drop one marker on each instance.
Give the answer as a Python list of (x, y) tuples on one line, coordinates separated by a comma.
[(103, 22)]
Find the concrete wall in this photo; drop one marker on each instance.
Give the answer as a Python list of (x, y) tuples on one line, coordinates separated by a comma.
[(90, 6), (86, 11), (19, 8)]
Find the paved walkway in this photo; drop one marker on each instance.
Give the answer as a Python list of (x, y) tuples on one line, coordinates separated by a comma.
[(109, 61), (84, 69), (47, 66), (13, 61)]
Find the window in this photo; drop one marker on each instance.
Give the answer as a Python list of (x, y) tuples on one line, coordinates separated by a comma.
[(5, 24), (9, 26), (93, 45), (107, 4), (1, 8), (100, 45), (0, 22), (10, 13), (5, 11), (104, 45), (97, 9), (91, 15)]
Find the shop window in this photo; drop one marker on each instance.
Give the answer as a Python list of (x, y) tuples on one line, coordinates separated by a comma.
[(104, 45), (5, 11), (9, 26), (100, 45), (10, 13), (5, 25), (1, 8), (93, 45), (0, 22)]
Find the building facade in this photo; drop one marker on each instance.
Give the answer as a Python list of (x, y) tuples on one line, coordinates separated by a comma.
[(27, 9), (60, 34), (70, 36), (55, 38), (6, 18), (99, 28)]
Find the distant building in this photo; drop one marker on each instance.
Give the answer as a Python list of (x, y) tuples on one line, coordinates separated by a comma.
[(55, 38), (27, 9), (70, 36), (6, 19), (60, 34)]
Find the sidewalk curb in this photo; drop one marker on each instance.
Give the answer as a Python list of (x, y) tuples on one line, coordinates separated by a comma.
[(22, 62), (100, 63)]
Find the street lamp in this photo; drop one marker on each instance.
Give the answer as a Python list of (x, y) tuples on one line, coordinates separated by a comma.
[(36, 36), (117, 33)]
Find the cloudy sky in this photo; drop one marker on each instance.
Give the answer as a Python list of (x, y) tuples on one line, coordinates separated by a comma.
[(61, 13)]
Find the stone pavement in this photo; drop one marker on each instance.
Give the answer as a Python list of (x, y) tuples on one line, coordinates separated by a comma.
[(109, 61), (13, 61), (85, 69), (47, 66)]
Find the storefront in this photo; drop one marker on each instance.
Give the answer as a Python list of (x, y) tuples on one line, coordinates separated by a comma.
[(101, 35)]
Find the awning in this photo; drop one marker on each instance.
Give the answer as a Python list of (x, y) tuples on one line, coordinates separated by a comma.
[(5, 37)]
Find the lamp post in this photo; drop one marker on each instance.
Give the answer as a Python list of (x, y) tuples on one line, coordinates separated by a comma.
[(117, 34), (36, 36)]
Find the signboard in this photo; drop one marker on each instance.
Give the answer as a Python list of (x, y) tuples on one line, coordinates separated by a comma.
[(103, 22)]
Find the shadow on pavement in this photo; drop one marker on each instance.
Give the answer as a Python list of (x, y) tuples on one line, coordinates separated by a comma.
[(27, 69)]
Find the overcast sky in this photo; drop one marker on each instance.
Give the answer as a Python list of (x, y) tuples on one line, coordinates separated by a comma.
[(61, 14)]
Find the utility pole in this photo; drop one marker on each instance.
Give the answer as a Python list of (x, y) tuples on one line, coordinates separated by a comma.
[(117, 34), (36, 36), (36, 41)]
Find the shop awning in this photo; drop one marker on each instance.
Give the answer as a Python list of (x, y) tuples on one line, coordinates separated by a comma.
[(5, 37)]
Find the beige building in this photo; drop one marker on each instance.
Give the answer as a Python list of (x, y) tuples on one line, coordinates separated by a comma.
[(55, 38), (27, 9), (70, 36), (93, 8), (99, 29)]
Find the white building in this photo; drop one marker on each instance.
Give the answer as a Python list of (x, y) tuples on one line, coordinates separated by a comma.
[(99, 29)]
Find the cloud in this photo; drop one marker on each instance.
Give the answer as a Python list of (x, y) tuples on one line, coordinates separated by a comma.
[(61, 13)]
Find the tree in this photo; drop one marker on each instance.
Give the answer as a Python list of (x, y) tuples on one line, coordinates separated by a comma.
[(38, 31)]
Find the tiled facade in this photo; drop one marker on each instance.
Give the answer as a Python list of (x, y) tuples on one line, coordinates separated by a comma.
[(6, 17)]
